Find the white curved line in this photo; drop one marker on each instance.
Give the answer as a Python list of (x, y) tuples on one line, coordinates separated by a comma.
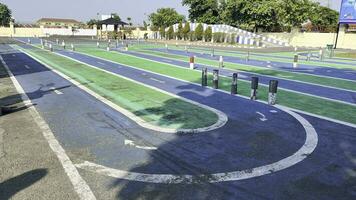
[(308, 148)]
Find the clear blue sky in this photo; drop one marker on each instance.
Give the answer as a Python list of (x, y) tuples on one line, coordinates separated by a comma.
[(83, 10)]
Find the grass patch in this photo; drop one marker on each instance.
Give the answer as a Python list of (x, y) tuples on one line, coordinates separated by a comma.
[(154, 107), (309, 104), (346, 55)]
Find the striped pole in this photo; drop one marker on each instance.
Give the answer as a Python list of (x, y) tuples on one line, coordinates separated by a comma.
[(295, 62), (272, 94), (234, 83), (191, 62), (254, 87)]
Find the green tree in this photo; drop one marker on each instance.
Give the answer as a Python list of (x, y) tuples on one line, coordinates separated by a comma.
[(92, 22), (170, 33), (208, 34), (204, 11), (129, 20), (162, 32), (199, 32), (186, 30), (5, 15), (115, 16), (180, 31), (165, 17)]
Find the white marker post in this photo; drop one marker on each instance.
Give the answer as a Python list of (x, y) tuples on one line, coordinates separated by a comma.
[(29, 40), (166, 47), (295, 49), (221, 62), (72, 46), (63, 44), (97, 44), (309, 56), (57, 41), (50, 47), (108, 47), (191, 62), (186, 49), (42, 43), (321, 54)]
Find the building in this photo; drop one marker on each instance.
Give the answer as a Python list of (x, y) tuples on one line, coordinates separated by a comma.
[(56, 22)]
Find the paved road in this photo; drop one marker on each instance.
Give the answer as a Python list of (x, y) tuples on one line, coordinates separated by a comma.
[(331, 93), (348, 74), (89, 130)]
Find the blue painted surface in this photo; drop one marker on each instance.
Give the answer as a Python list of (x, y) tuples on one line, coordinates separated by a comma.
[(79, 121), (302, 68)]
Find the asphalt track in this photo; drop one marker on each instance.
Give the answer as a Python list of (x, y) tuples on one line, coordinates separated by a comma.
[(81, 123), (311, 89), (327, 92), (303, 54), (347, 74)]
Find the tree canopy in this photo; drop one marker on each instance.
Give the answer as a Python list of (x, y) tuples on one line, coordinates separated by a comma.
[(269, 15), (165, 17), (5, 15)]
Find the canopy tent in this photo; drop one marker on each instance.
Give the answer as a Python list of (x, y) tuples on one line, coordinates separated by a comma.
[(112, 21)]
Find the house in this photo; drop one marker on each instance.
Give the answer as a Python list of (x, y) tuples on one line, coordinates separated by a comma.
[(56, 22)]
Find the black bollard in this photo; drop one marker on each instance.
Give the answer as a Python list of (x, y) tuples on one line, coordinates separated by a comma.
[(204, 77), (234, 83), (272, 94), (216, 79), (254, 87), (248, 56), (295, 61)]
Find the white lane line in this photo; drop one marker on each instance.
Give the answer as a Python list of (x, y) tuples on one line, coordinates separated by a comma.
[(56, 91), (27, 67), (101, 63), (165, 60), (160, 81), (132, 143), (222, 118), (223, 91), (273, 111), (2, 153), (289, 90), (80, 186), (308, 148), (263, 117)]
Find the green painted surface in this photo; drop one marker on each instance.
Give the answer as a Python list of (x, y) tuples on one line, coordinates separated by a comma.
[(309, 104), (342, 84), (153, 106)]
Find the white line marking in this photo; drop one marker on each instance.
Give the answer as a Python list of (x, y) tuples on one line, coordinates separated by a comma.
[(80, 186), (132, 143), (56, 91), (27, 67), (264, 102), (273, 111), (309, 146), (101, 63), (2, 153), (13, 55), (307, 94), (263, 117), (157, 80), (222, 118)]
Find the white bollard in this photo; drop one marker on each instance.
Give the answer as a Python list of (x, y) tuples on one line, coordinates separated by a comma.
[(221, 62), (97, 44)]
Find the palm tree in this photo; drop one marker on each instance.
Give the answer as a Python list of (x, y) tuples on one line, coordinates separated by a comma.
[(129, 20)]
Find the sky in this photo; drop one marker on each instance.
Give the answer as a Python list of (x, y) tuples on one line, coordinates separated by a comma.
[(31, 10), (27, 11)]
